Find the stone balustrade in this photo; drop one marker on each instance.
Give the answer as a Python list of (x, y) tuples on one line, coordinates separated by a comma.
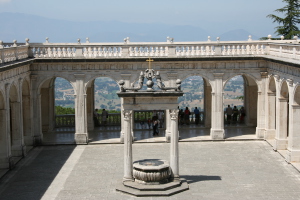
[(65, 121), (278, 48)]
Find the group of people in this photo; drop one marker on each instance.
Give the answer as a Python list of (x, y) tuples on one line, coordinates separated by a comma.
[(184, 116), (233, 113), (104, 116)]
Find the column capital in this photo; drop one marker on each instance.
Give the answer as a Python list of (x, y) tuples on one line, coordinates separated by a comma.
[(174, 114), (264, 74), (271, 93), (296, 106), (127, 114), (79, 76), (218, 75), (290, 82), (280, 99)]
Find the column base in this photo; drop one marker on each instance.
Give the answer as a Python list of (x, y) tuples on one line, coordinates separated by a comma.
[(260, 132), (293, 156), (37, 140), (122, 137), (168, 137), (270, 134), (280, 144), (217, 134), (81, 138)]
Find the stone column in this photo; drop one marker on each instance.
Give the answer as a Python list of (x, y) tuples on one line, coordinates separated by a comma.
[(28, 141), (4, 142), (168, 126), (51, 107), (174, 157), (128, 165), (16, 140), (90, 107), (294, 135), (207, 104), (122, 123), (81, 136), (281, 124), (36, 122), (217, 113), (261, 103), (271, 116)]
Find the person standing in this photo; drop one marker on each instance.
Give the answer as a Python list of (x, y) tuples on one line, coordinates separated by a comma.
[(197, 115), (155, 126), (104, 116), (242, 114), (187, 116), (228, 113), (235, 112), (96, 115)]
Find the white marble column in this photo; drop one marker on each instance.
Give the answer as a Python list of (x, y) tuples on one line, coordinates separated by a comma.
[(90, 107), (217, 111), (271, 116), (16, 140), (28, 140), (168, 126), (207, 104), (251, 98), (81, 135), (4, 142), (122, 122), (294, 135), (281, 124), (36, 122), (261, 106), (128, 165), (174, 157)]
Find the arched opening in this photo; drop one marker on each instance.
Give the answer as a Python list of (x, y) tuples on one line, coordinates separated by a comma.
[(271, 114), (64, 105), (28, 139), (282, 113), (294, 134), (197, 93), (234, 95), (4, 164), (193, 88), (103, 110), (14, 125), (241, 95)]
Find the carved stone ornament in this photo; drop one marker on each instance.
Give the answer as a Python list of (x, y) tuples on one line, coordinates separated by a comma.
[(150, 75)]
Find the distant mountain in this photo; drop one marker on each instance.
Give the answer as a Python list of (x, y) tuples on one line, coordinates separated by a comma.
[(238, 33), (20, 26)]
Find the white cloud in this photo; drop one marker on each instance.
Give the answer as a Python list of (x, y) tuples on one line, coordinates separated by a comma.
[(5, 1)]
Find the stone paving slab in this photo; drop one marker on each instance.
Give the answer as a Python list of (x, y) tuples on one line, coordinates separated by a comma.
[(214, 170)]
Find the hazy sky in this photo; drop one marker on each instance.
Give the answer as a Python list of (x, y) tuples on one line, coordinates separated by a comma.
[(208, 14)]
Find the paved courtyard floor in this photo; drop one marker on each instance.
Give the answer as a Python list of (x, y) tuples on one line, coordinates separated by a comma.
[(214, 170)]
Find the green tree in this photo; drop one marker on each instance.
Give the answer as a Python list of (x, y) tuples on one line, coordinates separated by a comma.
[(288, 23)]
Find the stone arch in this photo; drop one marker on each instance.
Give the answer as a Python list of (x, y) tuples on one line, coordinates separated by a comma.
[(284, 90), (297, 96), (93, 102), (47, 94), (28, 140), (4, 164), (14, 122), (272, 84)]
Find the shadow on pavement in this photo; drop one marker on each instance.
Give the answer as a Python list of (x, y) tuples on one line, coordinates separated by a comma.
[(198, 178), (32, 176)]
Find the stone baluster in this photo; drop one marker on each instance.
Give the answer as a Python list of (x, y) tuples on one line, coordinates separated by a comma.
[(238, 50), (197, 51)]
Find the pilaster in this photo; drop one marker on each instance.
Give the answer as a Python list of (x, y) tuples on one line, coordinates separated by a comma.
[(281, 125), (217, 111), (261, 102), (81, 135)]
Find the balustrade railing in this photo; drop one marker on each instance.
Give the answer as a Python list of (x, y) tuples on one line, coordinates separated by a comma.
[(64, 121), (278, 48)]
